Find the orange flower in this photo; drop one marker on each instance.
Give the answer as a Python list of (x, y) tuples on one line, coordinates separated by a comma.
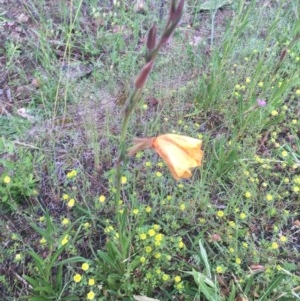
[(181, 153)]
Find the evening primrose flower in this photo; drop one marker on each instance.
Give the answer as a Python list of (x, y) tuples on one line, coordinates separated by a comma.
[(102, 198), (65, 240), (91, 281), (283, 238), (148, 209), (220, 213), (182, 207), (219, 269), (65, 197), (274, 113), (77, 278), (18, 257), (151, 232), (135, 211), (143, 236), (269, 197), (243, 215), (180, 153), (65, 221), (85, 266), (43, 241), (247, 194), (274, 245), (91, 295), (72, 174), (71, 203), (177, 279), (6, 180)]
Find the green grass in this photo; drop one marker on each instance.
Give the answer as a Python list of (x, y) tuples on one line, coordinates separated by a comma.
[(230, 232)]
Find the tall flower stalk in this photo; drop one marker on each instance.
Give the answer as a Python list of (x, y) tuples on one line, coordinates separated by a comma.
[(153, 48)]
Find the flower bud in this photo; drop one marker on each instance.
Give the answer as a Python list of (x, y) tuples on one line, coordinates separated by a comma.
[(151, 39), (142, 77)]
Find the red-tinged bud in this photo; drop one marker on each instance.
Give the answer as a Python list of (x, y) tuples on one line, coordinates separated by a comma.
[(283, 54), (142, 77), (177, 15), (173, 8), (151, 39)]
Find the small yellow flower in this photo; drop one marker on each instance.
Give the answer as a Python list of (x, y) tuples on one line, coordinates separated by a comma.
[(65, 221), (148, 209), (123, 180), (65, 197), (86, 225), (91, 281), (294, 121), (157, 255), (245, 245), (156, 227), (151, 232), (219, 269), (6, 180), (181, 245), (296, 189), (231, 224), (142, 259), (231, 250), (283, 238), (143, 236), (247, 194), (182, 207), (269, 197), (220, 213), (71, 203), (71, 174), (274, 113), (274, 245), (135, 211), (148, 249), (65, 240), (298, 92), (91, 295), (165, 277), (77, 278), (177, 279), (260, 84), (238, 260), (18, 257), (158, 237), (284, 154), (85, 266), (41, 218), (148, 164), (102, 198), (248, 80), (43, 241), (243, 215), (158, 174)]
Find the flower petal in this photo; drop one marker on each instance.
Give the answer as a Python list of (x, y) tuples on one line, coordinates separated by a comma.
[(181, 153)]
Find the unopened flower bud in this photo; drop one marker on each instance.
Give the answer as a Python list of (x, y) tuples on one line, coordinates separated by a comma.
[(176, 13), (151, 39), (142, 77)]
